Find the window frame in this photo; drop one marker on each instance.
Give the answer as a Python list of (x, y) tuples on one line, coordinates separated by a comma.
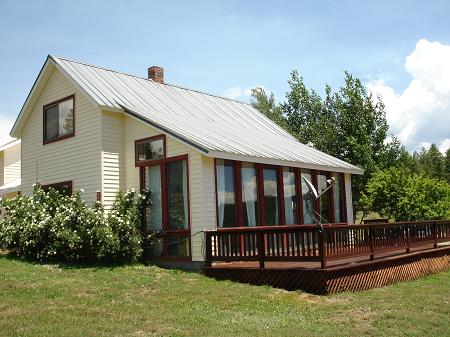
[(280, 186), (237, 197), (166, 231), (340, 176), (149, 162), (46, 141), (61, 184)]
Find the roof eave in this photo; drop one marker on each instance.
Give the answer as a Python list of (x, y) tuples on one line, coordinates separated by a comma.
[(272, 161)]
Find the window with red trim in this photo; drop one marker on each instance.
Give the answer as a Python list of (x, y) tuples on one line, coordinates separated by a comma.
[(59, 120), (226, 194), (167, 218), (150, 149)]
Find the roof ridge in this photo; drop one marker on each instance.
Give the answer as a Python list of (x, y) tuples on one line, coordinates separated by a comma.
[(147, 79)]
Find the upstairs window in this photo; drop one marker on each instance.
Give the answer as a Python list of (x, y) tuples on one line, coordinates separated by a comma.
[(150, 149), (59, 120)]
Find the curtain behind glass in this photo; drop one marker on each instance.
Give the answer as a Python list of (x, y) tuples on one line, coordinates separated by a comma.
[(307, 200), (270, 197), (249, 194), (324, 200), (154, 211), (290, 197), (338, 195)]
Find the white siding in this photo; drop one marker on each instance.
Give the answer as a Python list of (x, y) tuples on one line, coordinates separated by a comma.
[(119, 133), (78, 158), (209, 193), (11, 163), (112, 156), (2, 172), (348, 198)]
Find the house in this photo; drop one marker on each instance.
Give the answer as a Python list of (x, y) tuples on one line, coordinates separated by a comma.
[(10, 168), (210, 162)]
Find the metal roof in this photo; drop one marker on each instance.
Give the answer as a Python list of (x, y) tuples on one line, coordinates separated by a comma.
[(8, 144), (217, 126), (12, 186)]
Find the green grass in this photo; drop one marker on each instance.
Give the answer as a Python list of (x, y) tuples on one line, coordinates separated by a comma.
[(51, 300)]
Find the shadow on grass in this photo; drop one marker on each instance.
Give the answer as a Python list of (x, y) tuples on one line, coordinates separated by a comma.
[(13, 256)]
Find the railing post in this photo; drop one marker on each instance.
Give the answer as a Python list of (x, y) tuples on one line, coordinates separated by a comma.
[(208, 248), (407, 237), (435, 237), (371, 243), (322, 249), (261, 248)]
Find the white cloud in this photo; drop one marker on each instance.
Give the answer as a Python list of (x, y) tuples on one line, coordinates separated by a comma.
[(238, 92), (420, 114), (6, 124), (444, 145), (233, 93)]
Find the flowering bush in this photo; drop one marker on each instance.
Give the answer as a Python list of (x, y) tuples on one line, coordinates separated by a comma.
[(50, 226)]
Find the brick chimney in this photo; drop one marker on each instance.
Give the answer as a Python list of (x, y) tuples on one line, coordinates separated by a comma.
[(156, 74)]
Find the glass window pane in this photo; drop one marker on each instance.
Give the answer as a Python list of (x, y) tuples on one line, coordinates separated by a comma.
[(52, 120), (154, 211), (307, 199), (65, 118), (150, 150), (226, 196), (290, 196), (270, 197), (324, 200), (338, 196), (155, 247), (59, 120), (249, 194), (177, 195), (178, 246)]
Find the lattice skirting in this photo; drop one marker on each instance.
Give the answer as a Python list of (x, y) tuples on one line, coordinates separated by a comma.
[(355, 277)]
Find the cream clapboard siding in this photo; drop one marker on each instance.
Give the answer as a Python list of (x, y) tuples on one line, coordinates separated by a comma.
[(78, 158), (11, 163), (112, 156), (2, 172), (119, 133), (209, 193), (348, 198)]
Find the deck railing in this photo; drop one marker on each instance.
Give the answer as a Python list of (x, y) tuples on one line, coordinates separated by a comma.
[(309, 243)]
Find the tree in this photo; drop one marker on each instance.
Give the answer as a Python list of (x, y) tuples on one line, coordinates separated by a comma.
[(400, 194), (395, 154), (349, 124), (430, 162), (447, 165), (266, 104)]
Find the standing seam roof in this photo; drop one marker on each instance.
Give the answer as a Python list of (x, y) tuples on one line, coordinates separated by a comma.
[(207, 122)]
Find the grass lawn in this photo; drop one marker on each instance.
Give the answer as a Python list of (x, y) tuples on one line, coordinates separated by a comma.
[(51, 300)]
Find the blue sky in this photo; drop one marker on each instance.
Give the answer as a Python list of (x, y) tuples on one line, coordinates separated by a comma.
[(225, 47)]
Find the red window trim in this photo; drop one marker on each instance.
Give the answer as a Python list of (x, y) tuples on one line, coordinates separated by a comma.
[(61, 184), (237, 189), (149, 162), (169, 232), (341, 176), (46, 141), (260, 193)]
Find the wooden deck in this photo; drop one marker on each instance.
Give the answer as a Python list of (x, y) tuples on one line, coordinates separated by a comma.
[(302, 258)]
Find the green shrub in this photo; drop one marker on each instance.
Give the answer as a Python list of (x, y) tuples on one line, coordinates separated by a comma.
[(49, 226), (404, 196)]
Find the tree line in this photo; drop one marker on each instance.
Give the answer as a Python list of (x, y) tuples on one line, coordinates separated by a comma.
[(351, 124)]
